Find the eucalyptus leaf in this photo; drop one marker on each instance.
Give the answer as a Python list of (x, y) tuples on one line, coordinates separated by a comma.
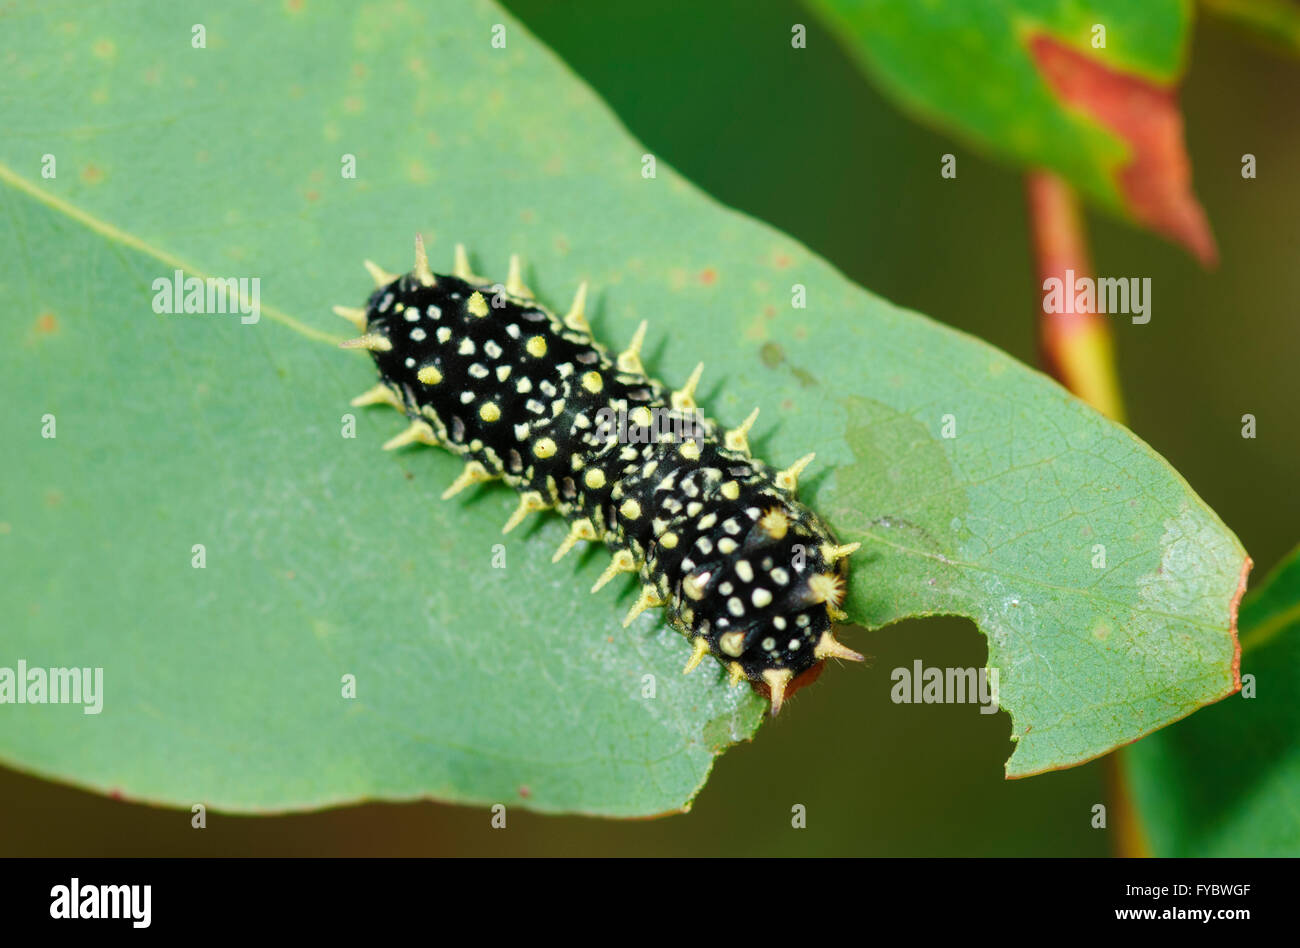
[(203, 529)]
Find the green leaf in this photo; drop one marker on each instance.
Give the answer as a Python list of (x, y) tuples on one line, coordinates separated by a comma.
[(1087, 89), (326, 557), (1227, 782)]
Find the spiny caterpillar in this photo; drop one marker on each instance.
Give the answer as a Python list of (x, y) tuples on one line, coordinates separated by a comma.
[(747, 573)]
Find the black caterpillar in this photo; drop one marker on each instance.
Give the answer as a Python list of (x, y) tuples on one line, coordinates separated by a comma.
[(747, 573)]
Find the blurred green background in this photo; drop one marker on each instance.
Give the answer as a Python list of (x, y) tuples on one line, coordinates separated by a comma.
[(805, 143)]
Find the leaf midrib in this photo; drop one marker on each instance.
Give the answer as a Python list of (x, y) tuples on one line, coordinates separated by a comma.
[(117, 235)]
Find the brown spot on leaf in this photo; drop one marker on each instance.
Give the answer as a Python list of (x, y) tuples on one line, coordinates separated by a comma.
[(772, 354), (708, 276), (1156, 183), (46, 323)]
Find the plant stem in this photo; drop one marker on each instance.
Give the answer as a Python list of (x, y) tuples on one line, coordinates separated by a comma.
[(1076, 348)]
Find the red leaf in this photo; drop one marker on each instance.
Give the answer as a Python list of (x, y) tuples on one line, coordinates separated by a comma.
[(1156, 183)]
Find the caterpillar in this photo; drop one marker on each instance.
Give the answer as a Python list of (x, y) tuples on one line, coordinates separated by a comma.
[(746, 572)]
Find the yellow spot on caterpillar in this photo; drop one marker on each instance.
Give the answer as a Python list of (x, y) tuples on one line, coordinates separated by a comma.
[(536, 347), (429, 375), (689, 450), (592, 382), (668, 541), (544, 448), (630, 509), (733, 644), (693, 586), (595, 478), (730, 490), (774, 523), (826, 587), (641, 416), (489, 411), (736, 674), (477, 304)]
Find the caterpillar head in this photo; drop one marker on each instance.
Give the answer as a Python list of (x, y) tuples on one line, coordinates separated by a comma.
[(766, 612)]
